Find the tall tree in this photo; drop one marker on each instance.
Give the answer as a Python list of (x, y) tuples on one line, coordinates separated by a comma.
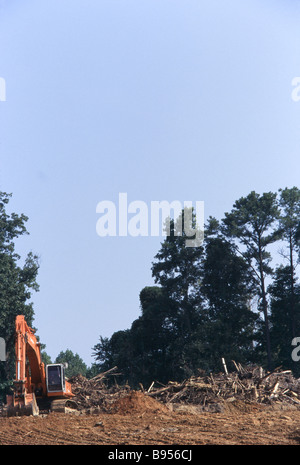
[(177, 269), (289, 221), (284, 319), (251, 222), (228, 289)]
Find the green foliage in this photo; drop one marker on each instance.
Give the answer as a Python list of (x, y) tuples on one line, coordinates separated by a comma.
[(228, 289), (284, 324), (92, 371), (289, 202), (76, 366), (46, 359), (289, 224)]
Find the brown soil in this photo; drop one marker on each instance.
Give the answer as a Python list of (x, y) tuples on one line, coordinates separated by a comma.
[(137, 402), (137, 419)]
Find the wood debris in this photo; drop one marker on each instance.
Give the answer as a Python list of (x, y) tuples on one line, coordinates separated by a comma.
[(250, 384), (93, 395)]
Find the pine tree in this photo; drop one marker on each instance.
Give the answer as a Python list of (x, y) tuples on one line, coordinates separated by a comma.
[(251, 224)]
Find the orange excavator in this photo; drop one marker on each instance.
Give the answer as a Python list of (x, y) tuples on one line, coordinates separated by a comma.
[(36, 385)]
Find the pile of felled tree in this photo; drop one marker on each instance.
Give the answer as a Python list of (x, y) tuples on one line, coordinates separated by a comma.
[(207, 392), (92, 395), (250, 384)]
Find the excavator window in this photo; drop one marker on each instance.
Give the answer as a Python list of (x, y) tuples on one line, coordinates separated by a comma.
[(55, 378)]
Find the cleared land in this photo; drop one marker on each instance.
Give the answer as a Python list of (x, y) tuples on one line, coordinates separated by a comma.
[(244, 424), (246, 407)]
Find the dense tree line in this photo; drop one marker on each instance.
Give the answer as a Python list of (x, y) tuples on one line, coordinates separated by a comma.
[(237, 296)]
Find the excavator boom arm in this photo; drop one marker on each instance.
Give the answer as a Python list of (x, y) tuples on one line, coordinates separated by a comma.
[(28, 348)]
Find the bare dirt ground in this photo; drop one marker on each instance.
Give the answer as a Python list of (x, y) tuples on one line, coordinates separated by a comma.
[(152, 423), (247, 407)]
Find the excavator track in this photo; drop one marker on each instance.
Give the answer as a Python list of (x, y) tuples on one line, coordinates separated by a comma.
[(63, 406)]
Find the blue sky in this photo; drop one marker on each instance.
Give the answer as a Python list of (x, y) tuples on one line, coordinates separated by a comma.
[(159, 99)]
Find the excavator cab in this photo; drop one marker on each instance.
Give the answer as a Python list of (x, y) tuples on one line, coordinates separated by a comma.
[(55, 378), (58, 389)]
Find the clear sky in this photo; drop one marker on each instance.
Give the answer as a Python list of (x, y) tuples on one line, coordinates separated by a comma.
[(159, 99)]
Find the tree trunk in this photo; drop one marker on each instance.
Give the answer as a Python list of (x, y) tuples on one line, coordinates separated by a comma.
[(265, 309), (292, 287)]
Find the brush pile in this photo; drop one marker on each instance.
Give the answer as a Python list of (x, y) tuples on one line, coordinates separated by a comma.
[(93, 395), (250, 384)]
